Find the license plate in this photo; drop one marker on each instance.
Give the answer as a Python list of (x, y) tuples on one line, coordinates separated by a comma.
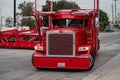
[(61, 64)]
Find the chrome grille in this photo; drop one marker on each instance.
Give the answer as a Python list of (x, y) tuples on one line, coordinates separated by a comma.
[(60, 44)]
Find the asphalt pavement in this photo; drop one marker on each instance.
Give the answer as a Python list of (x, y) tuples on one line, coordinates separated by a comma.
[(15, 64)]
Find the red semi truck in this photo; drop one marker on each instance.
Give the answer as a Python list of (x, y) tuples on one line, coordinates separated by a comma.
[(71, 40)]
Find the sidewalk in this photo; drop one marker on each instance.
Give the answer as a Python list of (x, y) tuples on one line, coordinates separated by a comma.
[(103, 34), (109, 71)]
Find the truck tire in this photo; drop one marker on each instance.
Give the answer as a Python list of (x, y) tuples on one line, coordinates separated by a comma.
[(32, 59), (33, 62), (98, 44), (92, 60)]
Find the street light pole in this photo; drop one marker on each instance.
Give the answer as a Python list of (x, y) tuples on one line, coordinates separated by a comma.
[(14, 13)]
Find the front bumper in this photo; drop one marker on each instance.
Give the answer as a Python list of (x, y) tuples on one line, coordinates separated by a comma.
[(62, 62)]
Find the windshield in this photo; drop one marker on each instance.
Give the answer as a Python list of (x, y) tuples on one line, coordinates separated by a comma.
[(68, 22)]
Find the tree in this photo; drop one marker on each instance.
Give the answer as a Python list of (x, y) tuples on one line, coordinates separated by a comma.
[(103, 20), (28, 22), (26, 8), (62, 4)]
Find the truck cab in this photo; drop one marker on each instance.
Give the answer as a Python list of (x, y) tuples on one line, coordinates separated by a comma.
[(70, 41)]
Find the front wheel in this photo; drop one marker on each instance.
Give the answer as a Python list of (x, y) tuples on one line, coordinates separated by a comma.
[(92, 60), (32, 60)]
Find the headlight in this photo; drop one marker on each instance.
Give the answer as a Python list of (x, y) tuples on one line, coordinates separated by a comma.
[(38, 47), (83, 48)]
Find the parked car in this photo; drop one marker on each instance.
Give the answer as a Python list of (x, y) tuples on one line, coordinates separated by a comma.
[(109, 29)]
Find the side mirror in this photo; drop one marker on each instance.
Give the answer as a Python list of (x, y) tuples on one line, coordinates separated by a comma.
[(97, 22)]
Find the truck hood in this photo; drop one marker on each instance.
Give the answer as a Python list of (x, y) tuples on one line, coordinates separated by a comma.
[(67, 29)]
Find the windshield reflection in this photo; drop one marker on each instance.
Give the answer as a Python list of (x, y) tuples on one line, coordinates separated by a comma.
[(68, 22)]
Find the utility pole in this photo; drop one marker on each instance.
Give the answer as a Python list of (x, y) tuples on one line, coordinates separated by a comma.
[(0, 18), (1, 21), (112, 14), (115, 10), (14, 13)]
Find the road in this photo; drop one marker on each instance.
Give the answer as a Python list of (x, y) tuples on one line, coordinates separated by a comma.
[(15, 64)]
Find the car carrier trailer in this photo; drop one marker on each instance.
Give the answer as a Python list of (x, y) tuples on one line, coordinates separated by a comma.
[(14, 38)]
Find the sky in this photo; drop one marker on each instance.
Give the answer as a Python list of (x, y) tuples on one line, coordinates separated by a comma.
[(6, 6)]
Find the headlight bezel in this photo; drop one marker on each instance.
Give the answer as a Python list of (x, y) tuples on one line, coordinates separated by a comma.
[(38, 48)]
